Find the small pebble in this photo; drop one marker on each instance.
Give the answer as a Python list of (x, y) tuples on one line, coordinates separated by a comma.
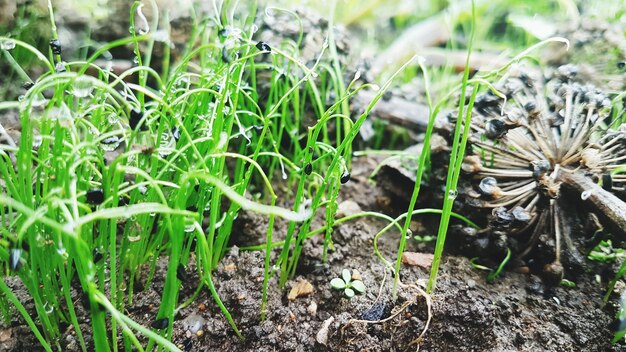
[(193, 323), (312, 308), (301, 288)]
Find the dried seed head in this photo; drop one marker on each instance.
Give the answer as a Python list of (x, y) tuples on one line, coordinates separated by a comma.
[(588, 37), (521, 215), (472, 164), (489, 188), (501, 218), (539, 168), (550, 125), (495, 129)]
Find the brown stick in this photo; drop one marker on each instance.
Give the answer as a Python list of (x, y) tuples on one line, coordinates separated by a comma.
[(430, 32), (396, 110), (610, 209), (478, 61)]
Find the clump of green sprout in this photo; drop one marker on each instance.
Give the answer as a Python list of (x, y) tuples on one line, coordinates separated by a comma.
[(348, 283)]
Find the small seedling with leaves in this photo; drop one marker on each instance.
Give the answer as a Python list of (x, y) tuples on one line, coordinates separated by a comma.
[(348, 283)]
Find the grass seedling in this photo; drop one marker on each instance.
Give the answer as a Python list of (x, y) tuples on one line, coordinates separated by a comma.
[(493, 273), (124, 174)]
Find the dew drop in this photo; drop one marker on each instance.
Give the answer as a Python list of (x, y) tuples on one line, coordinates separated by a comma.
[(60, 67), (282, 169), (585, 195), (61, 250), (37, 140), (176, 133), (7, 44), (48, 308), (14, 259), (162, 36), (189, 225), (113, 118), (110, 144), (83, 86), (452, 194), (275, 267)]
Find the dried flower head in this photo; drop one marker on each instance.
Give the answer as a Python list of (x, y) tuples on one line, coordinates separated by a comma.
[(522, 149), (588, 38)]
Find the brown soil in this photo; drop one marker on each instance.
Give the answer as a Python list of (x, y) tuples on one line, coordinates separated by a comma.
[(516, 313)]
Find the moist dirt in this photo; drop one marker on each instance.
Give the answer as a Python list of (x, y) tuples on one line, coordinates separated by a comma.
[(514, 313)]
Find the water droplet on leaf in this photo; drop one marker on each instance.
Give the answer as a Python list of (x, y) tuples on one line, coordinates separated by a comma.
[(15, 256), (110, 144), (83, 86), (7, 44)]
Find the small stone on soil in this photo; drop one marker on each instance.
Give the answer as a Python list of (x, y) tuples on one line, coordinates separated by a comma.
[(160, 323), (423, 260), (322, 334), (375, 313), (193, 323), (5, 335), (312, 309), (347, 208), (302, 288)]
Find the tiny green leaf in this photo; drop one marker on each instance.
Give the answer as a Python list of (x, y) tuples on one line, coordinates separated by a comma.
[(346, 275), (358, 286), (337, 284), (348, 293)]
